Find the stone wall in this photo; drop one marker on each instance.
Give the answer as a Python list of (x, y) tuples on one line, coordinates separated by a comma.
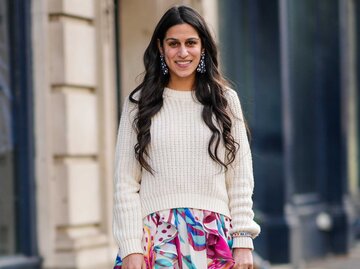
[(75, 112)]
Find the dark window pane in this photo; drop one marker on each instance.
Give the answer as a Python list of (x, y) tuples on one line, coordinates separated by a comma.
[(7, 197)]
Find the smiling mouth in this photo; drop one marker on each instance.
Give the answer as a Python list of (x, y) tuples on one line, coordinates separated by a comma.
[(183, 63)]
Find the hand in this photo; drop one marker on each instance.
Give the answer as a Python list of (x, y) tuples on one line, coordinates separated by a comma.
[(243, 258), (134, 261)]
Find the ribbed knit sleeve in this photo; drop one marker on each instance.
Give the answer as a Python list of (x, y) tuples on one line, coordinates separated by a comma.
[(240, 180), (127, 219)]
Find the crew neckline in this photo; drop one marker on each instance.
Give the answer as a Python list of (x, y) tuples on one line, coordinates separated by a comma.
[(187, 95)]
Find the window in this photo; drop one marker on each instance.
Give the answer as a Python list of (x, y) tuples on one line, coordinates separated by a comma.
[(18, 248), (7, 192)]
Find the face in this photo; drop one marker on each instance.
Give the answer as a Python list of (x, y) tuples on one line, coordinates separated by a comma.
[(182, 51)]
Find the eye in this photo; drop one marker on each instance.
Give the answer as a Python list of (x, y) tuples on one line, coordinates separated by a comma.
[(173, 44), (191, 43)]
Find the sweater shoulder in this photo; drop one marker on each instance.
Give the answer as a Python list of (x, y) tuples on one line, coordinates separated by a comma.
[(131, 100), (230, 94), (233, 103), (133, 96), (232, 97)]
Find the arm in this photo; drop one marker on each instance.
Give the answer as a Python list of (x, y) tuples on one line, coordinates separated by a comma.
[(127, 220), (240, 180)]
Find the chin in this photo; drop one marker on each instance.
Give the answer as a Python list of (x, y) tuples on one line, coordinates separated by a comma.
[(184, 74)]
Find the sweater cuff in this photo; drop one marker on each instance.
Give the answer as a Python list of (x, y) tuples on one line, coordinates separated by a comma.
[(243, 242), (130, 246)]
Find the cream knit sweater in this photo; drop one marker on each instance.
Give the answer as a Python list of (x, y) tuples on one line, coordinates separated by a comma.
[(185, 175)]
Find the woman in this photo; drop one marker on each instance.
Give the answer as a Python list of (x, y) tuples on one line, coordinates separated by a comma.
[(183, 179)]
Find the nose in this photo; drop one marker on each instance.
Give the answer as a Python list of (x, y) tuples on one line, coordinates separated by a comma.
[(183, 51)]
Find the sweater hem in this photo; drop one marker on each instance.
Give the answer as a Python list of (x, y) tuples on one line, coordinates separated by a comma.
[(188, 200)]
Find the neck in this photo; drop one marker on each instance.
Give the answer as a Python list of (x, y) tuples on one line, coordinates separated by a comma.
[(181, 84)]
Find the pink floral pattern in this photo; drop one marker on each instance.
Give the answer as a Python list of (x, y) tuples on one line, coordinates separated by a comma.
[(184, 238)]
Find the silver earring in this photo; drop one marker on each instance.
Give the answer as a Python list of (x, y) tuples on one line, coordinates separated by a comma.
[(201, 67), (163, 66)]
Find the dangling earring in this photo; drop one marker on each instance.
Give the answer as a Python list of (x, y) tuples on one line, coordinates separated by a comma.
[(163, 66), (201, 67)]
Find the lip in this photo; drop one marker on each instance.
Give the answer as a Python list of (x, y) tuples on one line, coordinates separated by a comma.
[(183, 64)]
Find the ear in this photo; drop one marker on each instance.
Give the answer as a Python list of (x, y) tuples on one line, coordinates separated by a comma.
[(160, 47)]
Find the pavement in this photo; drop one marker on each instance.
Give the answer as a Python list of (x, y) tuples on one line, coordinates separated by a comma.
[(350, 261)]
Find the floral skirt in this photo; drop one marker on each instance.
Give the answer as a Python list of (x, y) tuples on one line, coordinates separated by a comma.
[(184, 238)]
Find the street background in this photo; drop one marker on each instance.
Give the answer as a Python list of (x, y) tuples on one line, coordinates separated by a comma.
[(66, 66)]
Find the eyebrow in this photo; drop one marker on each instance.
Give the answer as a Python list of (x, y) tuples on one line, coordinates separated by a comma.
[(175, 39)]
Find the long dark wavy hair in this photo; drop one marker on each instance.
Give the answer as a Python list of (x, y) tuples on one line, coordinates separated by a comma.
[(209, 89)]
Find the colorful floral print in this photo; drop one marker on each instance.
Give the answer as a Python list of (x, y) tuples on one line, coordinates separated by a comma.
[(185, 238)]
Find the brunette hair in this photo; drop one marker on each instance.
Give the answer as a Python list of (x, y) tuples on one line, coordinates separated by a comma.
[(209, 88)]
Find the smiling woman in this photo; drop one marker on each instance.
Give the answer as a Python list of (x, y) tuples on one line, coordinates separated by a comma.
[(181, 51), (183, 168)]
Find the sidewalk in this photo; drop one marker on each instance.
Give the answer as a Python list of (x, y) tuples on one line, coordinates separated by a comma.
[(351, 261)]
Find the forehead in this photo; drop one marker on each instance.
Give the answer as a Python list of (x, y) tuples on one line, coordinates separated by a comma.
[(181, 31)]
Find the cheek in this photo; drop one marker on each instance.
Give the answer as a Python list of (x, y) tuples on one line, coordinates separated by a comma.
[(195, 52), (170, 53)]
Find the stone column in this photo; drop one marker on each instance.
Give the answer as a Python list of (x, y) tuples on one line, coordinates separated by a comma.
[(76, 126)]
